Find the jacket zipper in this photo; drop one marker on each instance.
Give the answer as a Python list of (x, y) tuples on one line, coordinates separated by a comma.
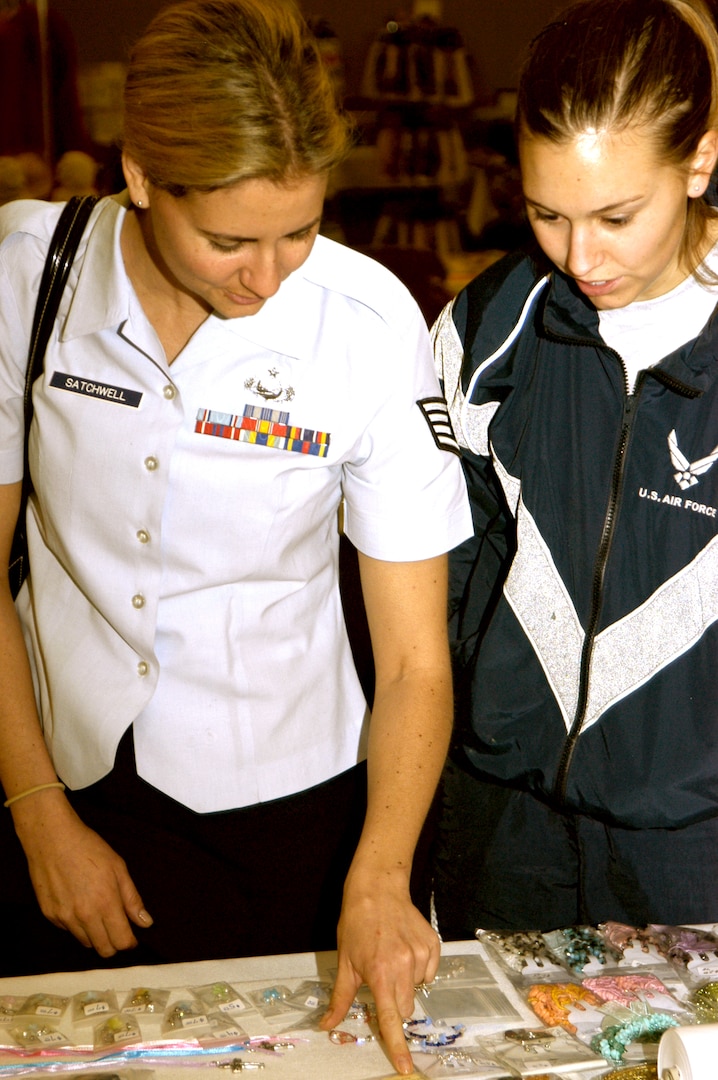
[(599, 571)]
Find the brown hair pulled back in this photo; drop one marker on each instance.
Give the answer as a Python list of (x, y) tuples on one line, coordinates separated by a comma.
[(220, 91), (606, 65)]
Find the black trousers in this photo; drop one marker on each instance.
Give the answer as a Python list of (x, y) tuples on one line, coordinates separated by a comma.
[(504, 860), (256, 881)]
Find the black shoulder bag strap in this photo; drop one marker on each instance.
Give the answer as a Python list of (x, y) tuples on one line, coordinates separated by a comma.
[(62, 250)]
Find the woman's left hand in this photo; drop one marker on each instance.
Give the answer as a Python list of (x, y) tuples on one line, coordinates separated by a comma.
[(386, 943)]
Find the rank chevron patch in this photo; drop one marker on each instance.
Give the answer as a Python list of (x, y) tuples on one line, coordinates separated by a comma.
[(436, 413)]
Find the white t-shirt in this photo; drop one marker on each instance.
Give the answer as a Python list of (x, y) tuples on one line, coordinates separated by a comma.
[(183, 539), (644, 332)]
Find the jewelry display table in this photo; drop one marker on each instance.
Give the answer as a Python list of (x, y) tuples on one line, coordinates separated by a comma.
[(314, 1056)]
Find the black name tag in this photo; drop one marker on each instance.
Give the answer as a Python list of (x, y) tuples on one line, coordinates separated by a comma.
[(119, 395)]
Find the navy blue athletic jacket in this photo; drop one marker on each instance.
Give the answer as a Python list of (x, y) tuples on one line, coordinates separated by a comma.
[(585, 608)]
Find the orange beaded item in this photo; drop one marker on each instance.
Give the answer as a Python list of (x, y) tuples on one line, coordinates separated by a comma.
[(552, 1002)]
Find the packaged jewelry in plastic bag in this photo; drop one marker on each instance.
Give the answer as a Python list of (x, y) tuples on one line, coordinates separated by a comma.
[(116, 1031), (39, 1035), (10, 1005), (310, 994), (704, 1002), (310, 1015), (188, 1017), (305, 1020), (221, 1026), (91, 1004), (463, 968), (629, 988), (486, 1004), (645, 1070), (694, 950), (184, 1016), (582, 949), (633, 945), (221, 996), (629, 1035), (525, 956), (143, 999), (567, 1005), (50, 1005), (272, 1000), (533, 1051), (471, 1062)]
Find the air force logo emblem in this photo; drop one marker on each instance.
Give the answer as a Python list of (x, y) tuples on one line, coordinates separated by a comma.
[(687, 472)]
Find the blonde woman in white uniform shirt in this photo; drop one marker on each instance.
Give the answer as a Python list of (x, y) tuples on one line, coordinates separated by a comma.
[(220, 380)]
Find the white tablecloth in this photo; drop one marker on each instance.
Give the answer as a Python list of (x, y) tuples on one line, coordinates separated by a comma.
[(315, 1058)]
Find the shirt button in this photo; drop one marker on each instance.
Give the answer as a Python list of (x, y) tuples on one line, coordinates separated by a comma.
[(143, 536), (151, 463), (170, 392), (143, 668), (138, 601)]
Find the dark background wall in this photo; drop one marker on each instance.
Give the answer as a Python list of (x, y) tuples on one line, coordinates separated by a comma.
[(495, 31)]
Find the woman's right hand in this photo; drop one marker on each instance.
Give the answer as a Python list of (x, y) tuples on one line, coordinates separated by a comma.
[(81, 884)]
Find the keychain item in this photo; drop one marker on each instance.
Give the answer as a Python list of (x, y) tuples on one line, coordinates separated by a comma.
[(142, 999)]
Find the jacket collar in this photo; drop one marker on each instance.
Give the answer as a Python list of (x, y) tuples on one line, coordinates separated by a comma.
[(568, 316)]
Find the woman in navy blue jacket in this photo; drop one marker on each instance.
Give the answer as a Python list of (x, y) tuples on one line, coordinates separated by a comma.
[(583, 388)]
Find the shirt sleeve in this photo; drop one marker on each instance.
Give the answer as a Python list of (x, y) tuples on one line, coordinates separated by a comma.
[(405, 495)]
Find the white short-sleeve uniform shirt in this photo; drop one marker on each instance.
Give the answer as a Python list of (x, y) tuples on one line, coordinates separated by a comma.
[(184, 531)]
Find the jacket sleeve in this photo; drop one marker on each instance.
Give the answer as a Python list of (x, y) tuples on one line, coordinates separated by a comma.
[(477, 566)]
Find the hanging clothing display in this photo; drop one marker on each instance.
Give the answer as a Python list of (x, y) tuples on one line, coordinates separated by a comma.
[(419, 61), (39, 115)]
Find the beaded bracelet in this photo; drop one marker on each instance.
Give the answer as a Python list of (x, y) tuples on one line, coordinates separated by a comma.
[(626, 989), (580, 945), (435, 1034), (612, 1042), (621, 936), (552, 1002), (522, 949)]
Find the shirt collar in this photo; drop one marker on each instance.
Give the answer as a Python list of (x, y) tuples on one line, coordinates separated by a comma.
[(102, 297), (286, 324)]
